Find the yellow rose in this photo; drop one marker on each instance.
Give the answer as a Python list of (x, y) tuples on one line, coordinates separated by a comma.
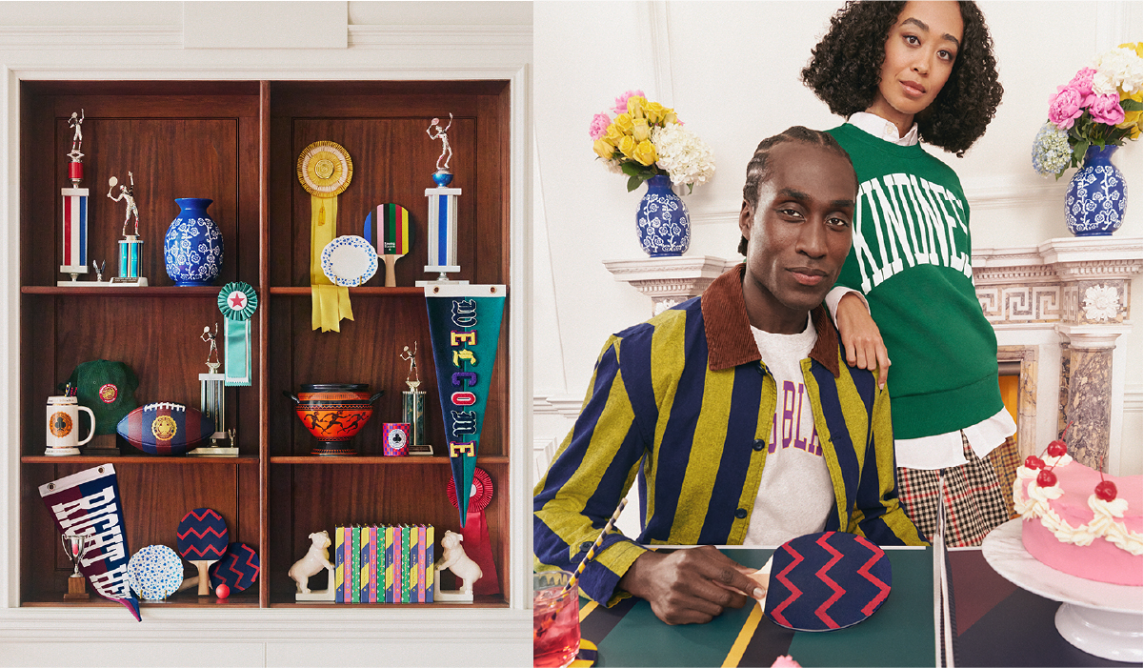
[(636, 105), (640, 129), (627, 146), (624, 122), (669, 116), (1138, 47), (654, 112), (1132, 119), (644, 153), (603, 148), (614, 134)]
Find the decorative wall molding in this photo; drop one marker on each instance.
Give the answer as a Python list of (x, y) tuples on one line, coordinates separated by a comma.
[(669, 280), (52, 38), (508, 36), (1134, 398), (563, 405), (1063, 280)]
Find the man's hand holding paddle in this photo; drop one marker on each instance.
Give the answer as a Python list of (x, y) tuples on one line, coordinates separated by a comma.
[(691, 586)]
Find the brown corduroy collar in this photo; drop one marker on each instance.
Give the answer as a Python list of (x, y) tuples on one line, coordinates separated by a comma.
[(729, 339)]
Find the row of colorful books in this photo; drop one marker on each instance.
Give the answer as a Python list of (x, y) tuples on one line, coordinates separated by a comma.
[(383, 564)]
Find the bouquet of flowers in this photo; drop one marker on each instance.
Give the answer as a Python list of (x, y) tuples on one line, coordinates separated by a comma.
[(645, 139), (1099, 107)]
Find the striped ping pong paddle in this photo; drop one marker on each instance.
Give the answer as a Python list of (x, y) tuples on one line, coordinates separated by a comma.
[(202, 541), (387, 227)]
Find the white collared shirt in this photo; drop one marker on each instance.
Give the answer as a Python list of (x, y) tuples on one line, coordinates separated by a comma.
[(883, 129)]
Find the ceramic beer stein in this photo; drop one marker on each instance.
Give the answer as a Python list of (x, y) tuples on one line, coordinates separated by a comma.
[(63, 426)]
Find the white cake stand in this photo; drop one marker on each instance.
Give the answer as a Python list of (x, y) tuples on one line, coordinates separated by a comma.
[(1102, 619)]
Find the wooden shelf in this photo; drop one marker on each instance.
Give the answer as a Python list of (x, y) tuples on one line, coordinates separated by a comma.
[(182, 599), (393, 461), (141, 459), (149, 291), (482, 602), (354, 292), (237, 143)]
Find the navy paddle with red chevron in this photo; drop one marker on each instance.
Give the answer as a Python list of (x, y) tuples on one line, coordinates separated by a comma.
[(827, 581), (202, 541), (238, 568)]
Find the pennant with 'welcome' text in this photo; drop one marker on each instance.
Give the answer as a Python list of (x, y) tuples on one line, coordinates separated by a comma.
[(464, 325)]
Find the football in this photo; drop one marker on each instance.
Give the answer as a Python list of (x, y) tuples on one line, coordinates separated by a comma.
[(165, 428)]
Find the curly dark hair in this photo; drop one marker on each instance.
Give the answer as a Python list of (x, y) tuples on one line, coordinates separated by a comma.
[(844, 73), (758, 167)]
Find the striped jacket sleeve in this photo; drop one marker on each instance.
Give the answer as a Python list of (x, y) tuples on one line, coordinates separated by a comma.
[(591, 472), (877, 513)]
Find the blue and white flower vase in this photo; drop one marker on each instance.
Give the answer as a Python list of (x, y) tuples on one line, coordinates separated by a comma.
[(1097, 196), (193, 246), (662, 221)]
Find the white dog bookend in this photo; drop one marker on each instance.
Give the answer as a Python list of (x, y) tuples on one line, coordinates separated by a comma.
[(317, 558), (466, 570)]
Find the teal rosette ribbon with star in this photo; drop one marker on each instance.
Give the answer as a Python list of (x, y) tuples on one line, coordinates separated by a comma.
[(237, 301)]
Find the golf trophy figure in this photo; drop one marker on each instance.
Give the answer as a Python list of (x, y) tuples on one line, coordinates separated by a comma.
[(413, 406), (130, 245), (212, 401), (442, 218), (75, 215)]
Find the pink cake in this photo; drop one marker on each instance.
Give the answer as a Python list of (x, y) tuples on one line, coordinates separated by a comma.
[(1069, 527)]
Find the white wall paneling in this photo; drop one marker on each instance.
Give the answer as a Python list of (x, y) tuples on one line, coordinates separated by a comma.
[(146, 40)]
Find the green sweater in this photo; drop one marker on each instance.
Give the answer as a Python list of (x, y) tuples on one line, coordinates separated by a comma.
[(911, 260)]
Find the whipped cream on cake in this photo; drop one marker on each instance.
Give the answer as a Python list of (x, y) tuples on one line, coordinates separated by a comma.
[(1079, 521)]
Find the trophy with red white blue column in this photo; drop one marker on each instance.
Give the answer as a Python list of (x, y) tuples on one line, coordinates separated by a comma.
[(75, 201), (442, 214)]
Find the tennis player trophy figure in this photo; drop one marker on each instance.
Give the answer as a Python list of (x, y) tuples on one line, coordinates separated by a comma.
[(413, 405), (130, 245), (442, 218), (75, 201), (212, 401)]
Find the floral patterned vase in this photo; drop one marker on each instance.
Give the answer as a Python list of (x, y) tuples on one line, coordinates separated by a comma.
[(663, 224), (1097, 195), (193, 246)]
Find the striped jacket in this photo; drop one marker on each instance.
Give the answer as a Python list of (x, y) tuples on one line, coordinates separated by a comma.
[(684, 403)]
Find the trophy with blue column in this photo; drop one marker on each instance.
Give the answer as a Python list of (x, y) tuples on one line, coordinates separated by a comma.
[(442, 214), (131, 245)]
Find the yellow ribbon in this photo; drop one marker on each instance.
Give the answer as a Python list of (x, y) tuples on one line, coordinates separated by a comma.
[(331, 303)]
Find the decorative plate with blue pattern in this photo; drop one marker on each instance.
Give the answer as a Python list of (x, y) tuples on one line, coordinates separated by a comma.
[(349, 261), (155, 572)]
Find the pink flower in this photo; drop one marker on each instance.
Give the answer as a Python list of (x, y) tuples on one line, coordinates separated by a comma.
[(1066, 106), (1106, 109), (622, 101), (785, 661), (599, 127), (1082, 82)]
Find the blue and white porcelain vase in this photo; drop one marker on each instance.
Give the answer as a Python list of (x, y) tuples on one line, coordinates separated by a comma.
[(193, 246), (1097, 196), (662, 221)]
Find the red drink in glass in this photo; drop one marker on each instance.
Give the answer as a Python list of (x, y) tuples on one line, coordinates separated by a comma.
[(555, 620)]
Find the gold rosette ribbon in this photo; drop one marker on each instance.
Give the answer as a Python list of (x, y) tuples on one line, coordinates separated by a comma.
[(325, 170)]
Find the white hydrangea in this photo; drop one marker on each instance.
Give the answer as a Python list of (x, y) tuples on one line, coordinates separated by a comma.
[(686, 157), (1119, 68)]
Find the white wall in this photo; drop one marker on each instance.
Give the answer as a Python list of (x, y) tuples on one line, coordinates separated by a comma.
[(731, 71)]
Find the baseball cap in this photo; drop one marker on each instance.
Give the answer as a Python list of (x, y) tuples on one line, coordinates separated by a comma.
[(108, 389)]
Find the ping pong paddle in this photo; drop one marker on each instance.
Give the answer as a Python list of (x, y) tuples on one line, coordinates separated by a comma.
[(238, 568), (202, 541), (387, 228)]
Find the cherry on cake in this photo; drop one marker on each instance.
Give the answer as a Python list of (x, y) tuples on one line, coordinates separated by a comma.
[(1080, 521)]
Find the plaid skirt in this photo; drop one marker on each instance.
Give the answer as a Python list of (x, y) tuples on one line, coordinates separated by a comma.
[(975, 501)]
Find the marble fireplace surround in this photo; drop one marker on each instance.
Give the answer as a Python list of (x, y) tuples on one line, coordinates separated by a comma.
[(1061, 313)]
